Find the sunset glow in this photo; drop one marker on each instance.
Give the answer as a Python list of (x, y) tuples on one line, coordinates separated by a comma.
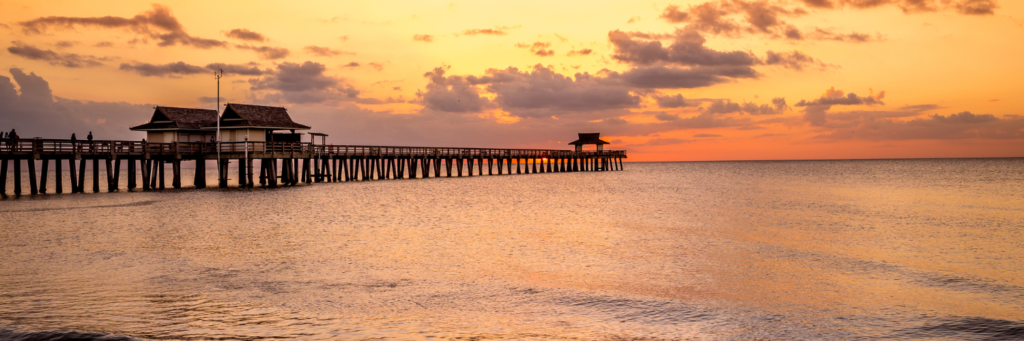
[(682, 80)]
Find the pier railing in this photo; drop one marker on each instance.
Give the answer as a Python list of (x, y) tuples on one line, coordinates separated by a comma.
[(98, 147)]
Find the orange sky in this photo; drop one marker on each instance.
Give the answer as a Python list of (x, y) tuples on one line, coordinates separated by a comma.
[(681, 80)]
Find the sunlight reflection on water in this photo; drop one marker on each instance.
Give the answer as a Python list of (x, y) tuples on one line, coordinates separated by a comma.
[(720, 250)]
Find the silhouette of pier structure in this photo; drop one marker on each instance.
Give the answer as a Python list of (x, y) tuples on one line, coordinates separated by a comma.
[(177, 135)]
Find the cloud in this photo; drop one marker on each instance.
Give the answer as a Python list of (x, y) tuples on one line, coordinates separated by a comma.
[(250, 69), (63, 44), (157, 24), (352, 64), (302, 83), (706, 135), (452, 94), (485, 31), (580, 52), (666, 117), (71, 60), (423, 37), (823, 34), (795, 60), (976, 7), (266, 52), (324, 51), (208, 100), (376, 66), (37, 112), (538, 48), (835, 97), (881, 126), (244, 34), (539, 92), (687, 49), (675, 78), (104, 44), (815, 111), (165, 70), (673, 101)]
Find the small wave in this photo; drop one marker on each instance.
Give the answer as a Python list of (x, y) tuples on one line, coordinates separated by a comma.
[(60, 335), (139, 203), (969, 328)]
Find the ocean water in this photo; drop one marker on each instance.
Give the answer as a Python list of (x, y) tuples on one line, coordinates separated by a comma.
[(912, 249)]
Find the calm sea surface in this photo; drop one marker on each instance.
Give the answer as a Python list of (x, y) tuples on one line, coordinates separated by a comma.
[(708, 250)]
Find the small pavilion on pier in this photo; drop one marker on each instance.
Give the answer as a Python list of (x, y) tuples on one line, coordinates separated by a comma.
[(589, 138)]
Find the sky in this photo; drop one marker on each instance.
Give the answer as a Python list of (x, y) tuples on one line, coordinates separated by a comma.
[(666, 81)]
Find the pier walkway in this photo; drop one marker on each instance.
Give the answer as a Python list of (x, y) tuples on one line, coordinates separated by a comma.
[(281, 163)]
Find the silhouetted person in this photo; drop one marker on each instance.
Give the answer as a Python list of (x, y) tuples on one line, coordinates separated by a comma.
[(13, 138), (92, 146), (74, 142)]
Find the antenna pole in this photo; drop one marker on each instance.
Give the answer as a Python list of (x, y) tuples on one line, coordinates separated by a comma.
[(220, 174)]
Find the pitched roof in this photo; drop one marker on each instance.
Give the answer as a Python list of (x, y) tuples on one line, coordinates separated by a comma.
[(589, 138), (171, 118), (257, 116)]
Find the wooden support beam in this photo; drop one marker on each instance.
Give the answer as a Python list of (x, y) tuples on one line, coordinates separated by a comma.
[(248, 173), (3, 177), (95, 175), (17, 176), (242, 174), (144, 164), (272, 173), (437, 166), (117, 174), (74, 175), (58, 177), (110, 173), (81, 176), (200, 177), (42, 176), (263, 172), (160, 173), (175, 173), (32, 186), (131, 174)]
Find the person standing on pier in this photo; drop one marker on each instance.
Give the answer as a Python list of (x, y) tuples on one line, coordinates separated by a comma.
[(12, 138), (74, 142), (91, 145)]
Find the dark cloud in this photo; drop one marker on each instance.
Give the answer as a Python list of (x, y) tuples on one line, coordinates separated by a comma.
[(921, 107), (795, 60), (706, 135), (36, 112), (451, 94), (485, 31), (208, 100), (687, 49), (542, 90), (815, 111), (63, 44), (738, 17), (71, 60), (104, 44), (778, 106), (538, 48), (881, 126), (835, 97), (666, 117), (352, 64), (823, 34), (673, 101), (580, 52), (157, 24), (976, 7), (423, 37), (324, 51), (302, 83), (244, 34), (250, 69), (266, 52), (165, 70), (675, 78)]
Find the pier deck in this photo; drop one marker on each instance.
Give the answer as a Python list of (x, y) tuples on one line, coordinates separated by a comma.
[(279, 162)]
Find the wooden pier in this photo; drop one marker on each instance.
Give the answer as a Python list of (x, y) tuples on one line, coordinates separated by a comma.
[(281, 163)]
